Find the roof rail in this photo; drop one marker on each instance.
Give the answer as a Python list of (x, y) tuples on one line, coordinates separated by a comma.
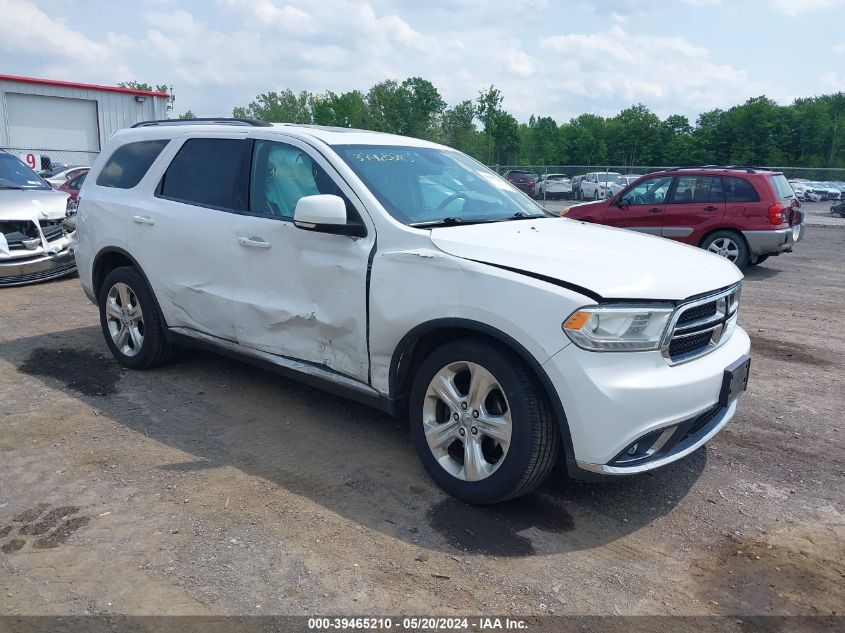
[(201, 121), (749, 170)]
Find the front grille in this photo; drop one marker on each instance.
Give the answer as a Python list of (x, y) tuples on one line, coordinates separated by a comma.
[(19, 233), (688, 345), (52, 229), (697, 327), (698, 312), (701, 421)]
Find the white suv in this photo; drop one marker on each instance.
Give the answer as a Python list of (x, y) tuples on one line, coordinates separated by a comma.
[(407, 275), (596, 184)]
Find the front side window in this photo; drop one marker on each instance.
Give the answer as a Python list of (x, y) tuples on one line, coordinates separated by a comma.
[(281, 175), (649, 191), (426, 185), (127, 166), (739, 190), (14, 174), (204, 172), (694, 189)]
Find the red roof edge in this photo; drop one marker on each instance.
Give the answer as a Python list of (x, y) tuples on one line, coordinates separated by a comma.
[(72, 84)]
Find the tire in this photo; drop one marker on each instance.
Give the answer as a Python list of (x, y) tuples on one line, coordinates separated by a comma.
[(507, 466), (759, 260), (728, 244), (130, 320)]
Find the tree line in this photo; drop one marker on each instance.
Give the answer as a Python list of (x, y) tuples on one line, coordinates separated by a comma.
[(808, 132)]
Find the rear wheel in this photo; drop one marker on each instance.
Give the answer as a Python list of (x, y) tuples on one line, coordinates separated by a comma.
[(131, 324), (728, 244), (480, 422)]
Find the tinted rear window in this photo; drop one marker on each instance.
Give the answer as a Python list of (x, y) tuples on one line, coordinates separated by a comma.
[(739, 190), (129, 163), (782, 187), (204, 172)]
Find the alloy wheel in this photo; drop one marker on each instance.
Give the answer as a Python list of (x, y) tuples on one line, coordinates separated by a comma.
[(125, 319), (467, 421), (725, 247)]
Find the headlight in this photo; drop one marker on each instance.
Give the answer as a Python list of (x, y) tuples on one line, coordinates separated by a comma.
[(618, 329)]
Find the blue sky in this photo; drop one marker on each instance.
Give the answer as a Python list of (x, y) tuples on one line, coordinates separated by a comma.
[(548, 58)]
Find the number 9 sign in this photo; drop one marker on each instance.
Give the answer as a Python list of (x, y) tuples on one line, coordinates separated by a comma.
[(32, 160)]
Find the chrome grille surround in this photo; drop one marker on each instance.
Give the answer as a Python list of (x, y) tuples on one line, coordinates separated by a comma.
[(686, 339)]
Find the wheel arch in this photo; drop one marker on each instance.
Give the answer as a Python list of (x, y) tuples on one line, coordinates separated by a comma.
[(110, 258), (720, 229), (425, 337)]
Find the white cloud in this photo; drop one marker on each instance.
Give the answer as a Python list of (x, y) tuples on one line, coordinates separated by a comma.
[(664, 71), (833, 80), (26, 28), (794, 8), (838, 48)]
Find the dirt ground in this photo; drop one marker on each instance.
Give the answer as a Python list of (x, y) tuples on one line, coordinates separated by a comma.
[(210, 487)]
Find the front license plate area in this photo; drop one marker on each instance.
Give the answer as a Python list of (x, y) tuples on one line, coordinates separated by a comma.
[(735, 381)]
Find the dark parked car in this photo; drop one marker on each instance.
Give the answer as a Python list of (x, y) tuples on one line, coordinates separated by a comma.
[(576, 186), (522, 180)]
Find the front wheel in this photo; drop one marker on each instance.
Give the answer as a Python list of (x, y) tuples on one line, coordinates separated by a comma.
[(480, 422), (131, 324), (728, 244)]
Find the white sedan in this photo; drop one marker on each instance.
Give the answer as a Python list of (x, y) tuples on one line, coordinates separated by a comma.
[(61, 177)]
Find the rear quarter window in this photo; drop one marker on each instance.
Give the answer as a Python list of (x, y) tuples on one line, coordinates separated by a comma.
[(782, 187), (127, 166), (739, 190)]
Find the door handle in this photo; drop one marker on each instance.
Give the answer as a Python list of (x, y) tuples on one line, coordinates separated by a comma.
[(141, 219), (254, 242), (711, 208), (654, 210)]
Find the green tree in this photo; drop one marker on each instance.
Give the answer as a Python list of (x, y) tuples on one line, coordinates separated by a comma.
[(137, 85), (187, 115), (278, 107)]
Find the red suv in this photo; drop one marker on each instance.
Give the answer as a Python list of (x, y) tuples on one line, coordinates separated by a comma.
[(743, 214)]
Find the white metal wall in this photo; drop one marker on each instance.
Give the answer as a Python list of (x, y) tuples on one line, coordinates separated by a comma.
[(115, 110)]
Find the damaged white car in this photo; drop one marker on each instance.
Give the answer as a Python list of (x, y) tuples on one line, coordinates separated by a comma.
[(406, 275), (35, 235)]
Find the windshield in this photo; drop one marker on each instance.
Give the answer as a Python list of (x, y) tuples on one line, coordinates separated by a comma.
[(423, 185), (15, 175), (608, 177)]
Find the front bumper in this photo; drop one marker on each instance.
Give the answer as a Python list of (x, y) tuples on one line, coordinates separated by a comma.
[(43, 267), (775, 241), (611, 400)]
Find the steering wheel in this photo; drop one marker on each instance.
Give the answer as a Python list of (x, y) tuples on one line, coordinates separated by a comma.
[(451, 199), (638, 199)]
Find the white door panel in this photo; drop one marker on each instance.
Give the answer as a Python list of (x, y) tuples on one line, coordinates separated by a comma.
[(297, 293), (184, 250)]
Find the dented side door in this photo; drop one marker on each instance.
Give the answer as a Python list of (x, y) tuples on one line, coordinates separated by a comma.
[(298, 293)]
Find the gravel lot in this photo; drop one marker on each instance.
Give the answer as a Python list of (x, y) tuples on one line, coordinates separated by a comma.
[(210, 487)]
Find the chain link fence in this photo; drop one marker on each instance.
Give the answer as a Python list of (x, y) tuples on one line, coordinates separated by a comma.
[(814, 174), (72, 158)]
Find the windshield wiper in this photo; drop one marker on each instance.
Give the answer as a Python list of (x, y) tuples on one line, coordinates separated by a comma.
[(522, 215), (450, 221), (18, 187)]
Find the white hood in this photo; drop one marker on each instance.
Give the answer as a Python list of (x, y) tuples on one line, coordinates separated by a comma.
[(612, 263), (32, 204)]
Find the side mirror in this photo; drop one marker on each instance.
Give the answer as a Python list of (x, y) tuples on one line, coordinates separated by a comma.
[(325, 213)]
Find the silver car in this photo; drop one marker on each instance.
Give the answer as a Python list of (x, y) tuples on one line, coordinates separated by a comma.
[(35, 233)]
